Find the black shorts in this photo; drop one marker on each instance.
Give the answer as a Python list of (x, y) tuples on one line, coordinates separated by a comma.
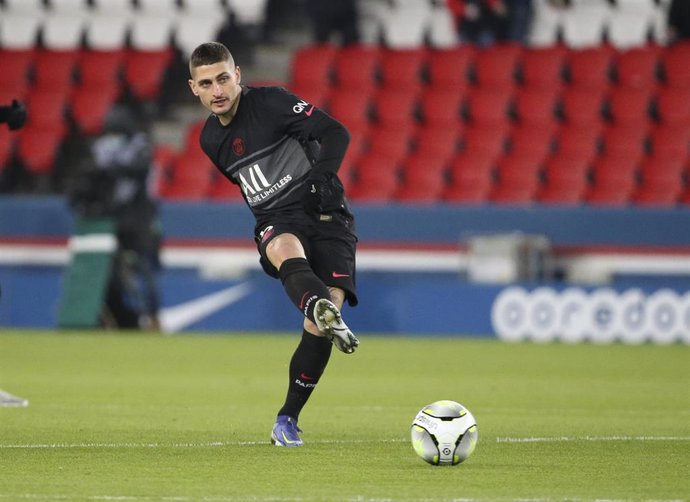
[(329, 245)]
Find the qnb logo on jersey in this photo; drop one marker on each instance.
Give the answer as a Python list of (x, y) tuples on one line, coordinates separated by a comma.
[(301, 106), (258, 188), (600, 315)]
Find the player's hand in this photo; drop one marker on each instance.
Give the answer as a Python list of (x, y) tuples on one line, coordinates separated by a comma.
[(324, 193)]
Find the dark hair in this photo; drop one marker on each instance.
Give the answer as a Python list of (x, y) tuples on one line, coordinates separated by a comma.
[(209, 53)]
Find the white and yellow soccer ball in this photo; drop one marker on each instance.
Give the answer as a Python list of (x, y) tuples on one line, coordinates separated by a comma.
[(444, 433)]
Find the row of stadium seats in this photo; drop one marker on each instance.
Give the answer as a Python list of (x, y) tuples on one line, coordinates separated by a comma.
[(70, 90), (543, 138), (579, 23), (117, 24)]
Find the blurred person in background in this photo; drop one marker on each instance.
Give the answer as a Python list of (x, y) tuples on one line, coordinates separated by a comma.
[(678, 25), (334, 18), (484, 22), (284, 154), (117, 183)]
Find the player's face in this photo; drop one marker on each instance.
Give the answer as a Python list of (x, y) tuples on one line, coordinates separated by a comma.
[(217, 85)]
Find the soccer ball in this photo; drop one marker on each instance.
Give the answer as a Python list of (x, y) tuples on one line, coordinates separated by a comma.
[(444, 433)]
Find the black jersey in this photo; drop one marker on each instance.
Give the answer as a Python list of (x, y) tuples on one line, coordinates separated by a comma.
[(268, 148)]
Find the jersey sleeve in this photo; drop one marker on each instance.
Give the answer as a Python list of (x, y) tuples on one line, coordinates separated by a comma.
[(306, 122)]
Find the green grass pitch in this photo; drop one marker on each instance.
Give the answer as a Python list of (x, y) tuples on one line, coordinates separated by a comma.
[(142, 417)]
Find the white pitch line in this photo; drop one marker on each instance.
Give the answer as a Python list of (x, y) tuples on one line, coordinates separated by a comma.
[(217, 444), (566, 439)]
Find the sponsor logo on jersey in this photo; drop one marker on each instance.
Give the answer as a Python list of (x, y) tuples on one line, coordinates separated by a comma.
[(257, 187), (301, 106), (238, 147)]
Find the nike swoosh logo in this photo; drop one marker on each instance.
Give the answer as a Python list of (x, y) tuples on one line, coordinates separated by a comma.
[(301, 302), (336, 275), (309, 111), (303, 376)]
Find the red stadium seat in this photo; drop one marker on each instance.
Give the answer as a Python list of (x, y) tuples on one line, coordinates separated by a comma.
[(357, 147), (189, 179), (626, 141), (38, 147), (89, 107), (442, 107), (578, 142), (583, 107), (614, 181), (357, 66), (518, 181), (402, 68), (485, 139), (144, 72), (6, 147), (543, 67), (438, 144), (46, 108), (489, 107), (316, 94), (471, 178), (396, 107), (566, 181), (661, 182), (351, 106), (537, 106), (637, 68), (629, 106), (673, 105), (15, 65), (531, 142), (222, 189), (450, 68), (423, 179), (55, 69), (313, 65), (590, 68), (496, 66), (376, 179), (674, 61), (670, 141), (100, 67), (394, 143)]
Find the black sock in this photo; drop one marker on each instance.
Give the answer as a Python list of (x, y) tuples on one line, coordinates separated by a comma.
[(306, 367), (302, 285)]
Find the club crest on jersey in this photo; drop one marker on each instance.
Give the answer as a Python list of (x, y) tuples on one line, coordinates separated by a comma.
[(238, 147)]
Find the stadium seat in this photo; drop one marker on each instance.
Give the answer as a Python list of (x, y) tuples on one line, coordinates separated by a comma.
[(674, 62), (15, 66), (673, 105), (590, 68), (438, 144), (189, 179), (394, 143), (6, 147), (221, 189), (579, 143), (356, 148), (403, 24), (441, 107), (546, 25), (247, 13), (313, 65), (100, 67), (614, 181), (396, 107), (109, 24), (566, 181), (47, 108), (351, 106), (533, 142), (630, 23), (584, 23), (670, 141), (441, 30), (637, 68), (376, 179), (583, 107), (543, 67), (63, 26), (89, 106), (20, 23), (199, 21), (489, 107), (423, 179), (518, 181), (537, 106), (629, 106), (471, 178), (661, 182), (317, 95), (152, 25), (450, 68), (38, 147), (627, 141), (357, 66), (496, 66), (485, 139), (55, 69), (402, 68), (144, 72)]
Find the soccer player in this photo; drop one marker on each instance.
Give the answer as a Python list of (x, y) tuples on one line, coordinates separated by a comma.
[(284, 155)]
